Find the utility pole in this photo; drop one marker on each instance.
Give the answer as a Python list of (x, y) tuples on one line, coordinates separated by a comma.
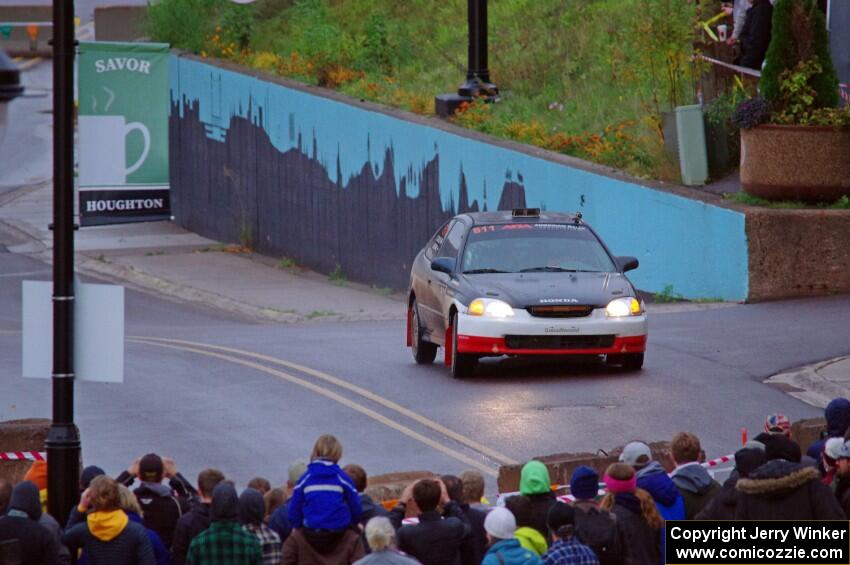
[(63, 440), (477, 83)]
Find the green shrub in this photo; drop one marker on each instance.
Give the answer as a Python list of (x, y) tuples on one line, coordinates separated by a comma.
[(184, 24), (799, 35)]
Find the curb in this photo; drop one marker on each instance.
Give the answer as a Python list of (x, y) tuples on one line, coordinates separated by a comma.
[(808, 385)]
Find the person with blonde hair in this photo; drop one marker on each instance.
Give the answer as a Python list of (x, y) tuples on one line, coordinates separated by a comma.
[(131, 507), (380, 535), (637, 516), (325, 502), (106, 534)]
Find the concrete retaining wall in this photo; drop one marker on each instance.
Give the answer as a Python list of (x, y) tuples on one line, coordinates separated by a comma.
[(796, 253), (119, 23), (328, 181)]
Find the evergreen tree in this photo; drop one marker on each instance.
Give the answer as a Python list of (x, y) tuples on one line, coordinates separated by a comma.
[(799, 34)]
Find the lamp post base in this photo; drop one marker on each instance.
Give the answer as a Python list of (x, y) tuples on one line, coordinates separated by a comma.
[(447, 104)]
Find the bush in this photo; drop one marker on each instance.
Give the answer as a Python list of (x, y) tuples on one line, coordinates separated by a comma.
[(751, 113), (185, 24), (799, 35)]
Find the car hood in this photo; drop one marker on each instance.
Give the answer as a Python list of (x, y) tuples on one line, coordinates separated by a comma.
[(521, 290)]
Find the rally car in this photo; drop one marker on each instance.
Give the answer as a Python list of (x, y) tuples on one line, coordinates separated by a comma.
[(522, 283)]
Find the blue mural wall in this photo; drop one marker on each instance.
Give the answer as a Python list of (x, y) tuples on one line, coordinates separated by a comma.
[(329, 183)]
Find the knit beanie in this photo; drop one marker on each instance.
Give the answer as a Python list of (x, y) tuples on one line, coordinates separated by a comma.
[(777, 423), (90, 473), (252, 507), (783, 448), (748, 460), (225, 503), (584, 483), (559, 515), (500, 523)]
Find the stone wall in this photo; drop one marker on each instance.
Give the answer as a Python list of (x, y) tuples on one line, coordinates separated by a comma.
[(795, 253)]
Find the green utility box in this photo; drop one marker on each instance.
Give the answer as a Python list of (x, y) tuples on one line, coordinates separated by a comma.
[(690, 132)]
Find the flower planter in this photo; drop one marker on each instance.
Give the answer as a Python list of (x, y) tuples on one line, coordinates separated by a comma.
[(806, 163)]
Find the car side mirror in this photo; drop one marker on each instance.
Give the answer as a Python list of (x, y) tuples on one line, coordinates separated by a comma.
[(443, 265), (628, 263)]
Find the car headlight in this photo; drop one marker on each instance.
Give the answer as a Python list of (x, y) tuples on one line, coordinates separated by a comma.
[(490, 307), (621, 307)]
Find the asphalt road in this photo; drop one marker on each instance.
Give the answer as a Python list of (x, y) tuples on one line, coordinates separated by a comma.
[(253, 415)]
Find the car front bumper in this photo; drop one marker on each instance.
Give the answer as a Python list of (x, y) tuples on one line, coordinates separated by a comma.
[(524, 334)]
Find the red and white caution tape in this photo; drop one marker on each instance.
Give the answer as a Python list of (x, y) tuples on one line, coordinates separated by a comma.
[(23, 456), (719, 460), (730, 66)]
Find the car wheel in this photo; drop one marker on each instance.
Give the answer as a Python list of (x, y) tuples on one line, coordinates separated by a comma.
[(463, 365), (629, 361), (424, 352)]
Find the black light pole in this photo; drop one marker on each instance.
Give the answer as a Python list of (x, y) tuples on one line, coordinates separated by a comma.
[(477, 74), (63, 440)]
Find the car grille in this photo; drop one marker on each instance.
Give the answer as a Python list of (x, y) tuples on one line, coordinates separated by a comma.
[(559, 341), (571, 311)]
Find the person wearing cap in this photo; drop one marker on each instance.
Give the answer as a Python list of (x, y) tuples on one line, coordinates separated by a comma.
[(225, 542), (652, 478), (88, 474), (198, 518), (637, 516), (608, 537), (279, 520), (837, 415), (566, 549), (534, 482), (251, 512), (504, 548), (778, 424), (784, 489), (695, 484), (36, 544), (163, 505), (102, 529), (722, 506)]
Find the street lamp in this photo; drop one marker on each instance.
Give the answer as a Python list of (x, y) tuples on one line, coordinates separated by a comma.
[(477, 84), (10, 87), (63, 439)]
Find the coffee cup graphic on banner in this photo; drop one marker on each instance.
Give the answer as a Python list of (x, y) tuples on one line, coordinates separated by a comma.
[(103, 150)]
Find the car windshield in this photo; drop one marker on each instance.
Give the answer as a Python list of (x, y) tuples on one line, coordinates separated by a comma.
[(537, 247)]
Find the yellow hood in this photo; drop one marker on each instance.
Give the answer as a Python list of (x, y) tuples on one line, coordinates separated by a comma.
[(106, 526), (531, 540)]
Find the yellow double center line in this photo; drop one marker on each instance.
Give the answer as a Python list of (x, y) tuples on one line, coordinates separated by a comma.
[(230, 354)]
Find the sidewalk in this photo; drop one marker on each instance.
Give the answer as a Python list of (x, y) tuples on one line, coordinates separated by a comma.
[(166, 260), (816, 384)]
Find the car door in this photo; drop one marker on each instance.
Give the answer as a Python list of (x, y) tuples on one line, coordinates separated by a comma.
[(423, 280), (442, 285)]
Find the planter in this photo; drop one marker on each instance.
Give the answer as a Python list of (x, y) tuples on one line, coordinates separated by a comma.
[(806, 163)]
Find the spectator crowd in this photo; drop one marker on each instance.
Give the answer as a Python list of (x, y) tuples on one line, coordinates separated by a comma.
[(151, 514)]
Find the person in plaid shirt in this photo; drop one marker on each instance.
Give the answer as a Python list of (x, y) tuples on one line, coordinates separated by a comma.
[(225, 542), (252, 509), (567, 549)]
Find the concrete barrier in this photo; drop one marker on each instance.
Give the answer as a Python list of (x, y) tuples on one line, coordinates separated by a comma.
[(21, 435), (562, 465), (19, 43)]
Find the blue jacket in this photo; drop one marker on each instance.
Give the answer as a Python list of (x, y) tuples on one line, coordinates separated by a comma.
[(654, 480), (511, 552), (324, 499), (279, 522)]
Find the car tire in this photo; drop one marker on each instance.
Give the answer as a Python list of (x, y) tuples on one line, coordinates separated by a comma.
[(629, 361), (463, 365), (424, 352)]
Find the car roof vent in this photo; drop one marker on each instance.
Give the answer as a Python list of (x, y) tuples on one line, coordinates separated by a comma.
[(526, 212)]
